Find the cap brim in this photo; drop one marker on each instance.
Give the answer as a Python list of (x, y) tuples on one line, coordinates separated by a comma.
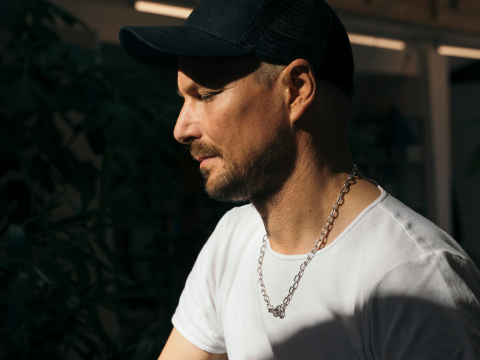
[(159, 46)]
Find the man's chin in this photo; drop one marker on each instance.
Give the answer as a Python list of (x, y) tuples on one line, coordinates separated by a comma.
[(222, 188), (226, 197)]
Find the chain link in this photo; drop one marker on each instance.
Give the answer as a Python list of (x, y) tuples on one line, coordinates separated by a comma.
[(320, 243)]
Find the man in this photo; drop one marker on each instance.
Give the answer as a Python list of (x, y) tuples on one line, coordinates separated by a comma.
[(323, 264)]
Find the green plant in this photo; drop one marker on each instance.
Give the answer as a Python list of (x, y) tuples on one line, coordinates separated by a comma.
[(58, 270)]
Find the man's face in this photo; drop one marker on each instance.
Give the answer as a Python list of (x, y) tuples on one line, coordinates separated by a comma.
[(237, 129)]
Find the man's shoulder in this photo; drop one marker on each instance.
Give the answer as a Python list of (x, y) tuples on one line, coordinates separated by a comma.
[(397, 241), (408, 226), (416, 279)]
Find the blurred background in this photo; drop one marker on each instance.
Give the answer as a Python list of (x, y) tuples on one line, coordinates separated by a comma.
[(102, 214)]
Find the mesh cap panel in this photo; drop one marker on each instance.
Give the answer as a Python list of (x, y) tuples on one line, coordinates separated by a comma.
[(285, 30)]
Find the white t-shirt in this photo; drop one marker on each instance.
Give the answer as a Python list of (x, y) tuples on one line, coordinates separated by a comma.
[(391, 286)]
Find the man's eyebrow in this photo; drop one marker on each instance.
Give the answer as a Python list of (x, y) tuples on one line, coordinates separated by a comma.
[(190, 88)]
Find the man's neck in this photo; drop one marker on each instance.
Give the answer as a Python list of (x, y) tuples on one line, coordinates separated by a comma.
[(295, 216)]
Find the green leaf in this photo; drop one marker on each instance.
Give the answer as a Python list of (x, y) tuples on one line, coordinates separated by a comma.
[(21, 96), (42, 276), (136, 223), (73, 301), (25, 165), (73, 220), (117, 275), (97, 118), (83, 177), (96, 324), (51, 204), (106, 250), (124, 188), (80, 56), (81, 270), (66, 17), (105, 179), (17, 298), (73, 204), (16, 241)]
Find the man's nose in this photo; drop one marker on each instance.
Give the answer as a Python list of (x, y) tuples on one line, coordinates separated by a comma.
[(187, 128)]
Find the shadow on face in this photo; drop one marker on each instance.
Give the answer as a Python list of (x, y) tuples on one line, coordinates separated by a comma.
[(216, 73)]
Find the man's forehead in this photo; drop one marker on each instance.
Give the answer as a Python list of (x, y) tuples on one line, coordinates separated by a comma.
[(215, 73)]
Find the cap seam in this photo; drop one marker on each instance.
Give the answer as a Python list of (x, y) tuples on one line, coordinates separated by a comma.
[(254, 18), (330, 22)]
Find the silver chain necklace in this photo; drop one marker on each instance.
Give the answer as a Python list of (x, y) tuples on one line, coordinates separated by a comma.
[(279, 311)]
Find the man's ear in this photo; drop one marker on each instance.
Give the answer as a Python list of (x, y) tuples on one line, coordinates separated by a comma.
[(300, 81)]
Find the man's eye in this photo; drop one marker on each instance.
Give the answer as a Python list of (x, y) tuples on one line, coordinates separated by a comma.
[(204, 97)]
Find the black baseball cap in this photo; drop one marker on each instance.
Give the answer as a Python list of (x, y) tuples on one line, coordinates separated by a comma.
[(276, 30)]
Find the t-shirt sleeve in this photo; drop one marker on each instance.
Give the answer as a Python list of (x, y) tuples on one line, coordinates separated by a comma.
[(196, 317), (426, 308)]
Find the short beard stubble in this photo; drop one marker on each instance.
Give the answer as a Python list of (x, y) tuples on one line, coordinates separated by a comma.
[(259, 176)]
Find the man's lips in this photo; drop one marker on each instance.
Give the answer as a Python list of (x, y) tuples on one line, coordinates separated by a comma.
[(205, 159)]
